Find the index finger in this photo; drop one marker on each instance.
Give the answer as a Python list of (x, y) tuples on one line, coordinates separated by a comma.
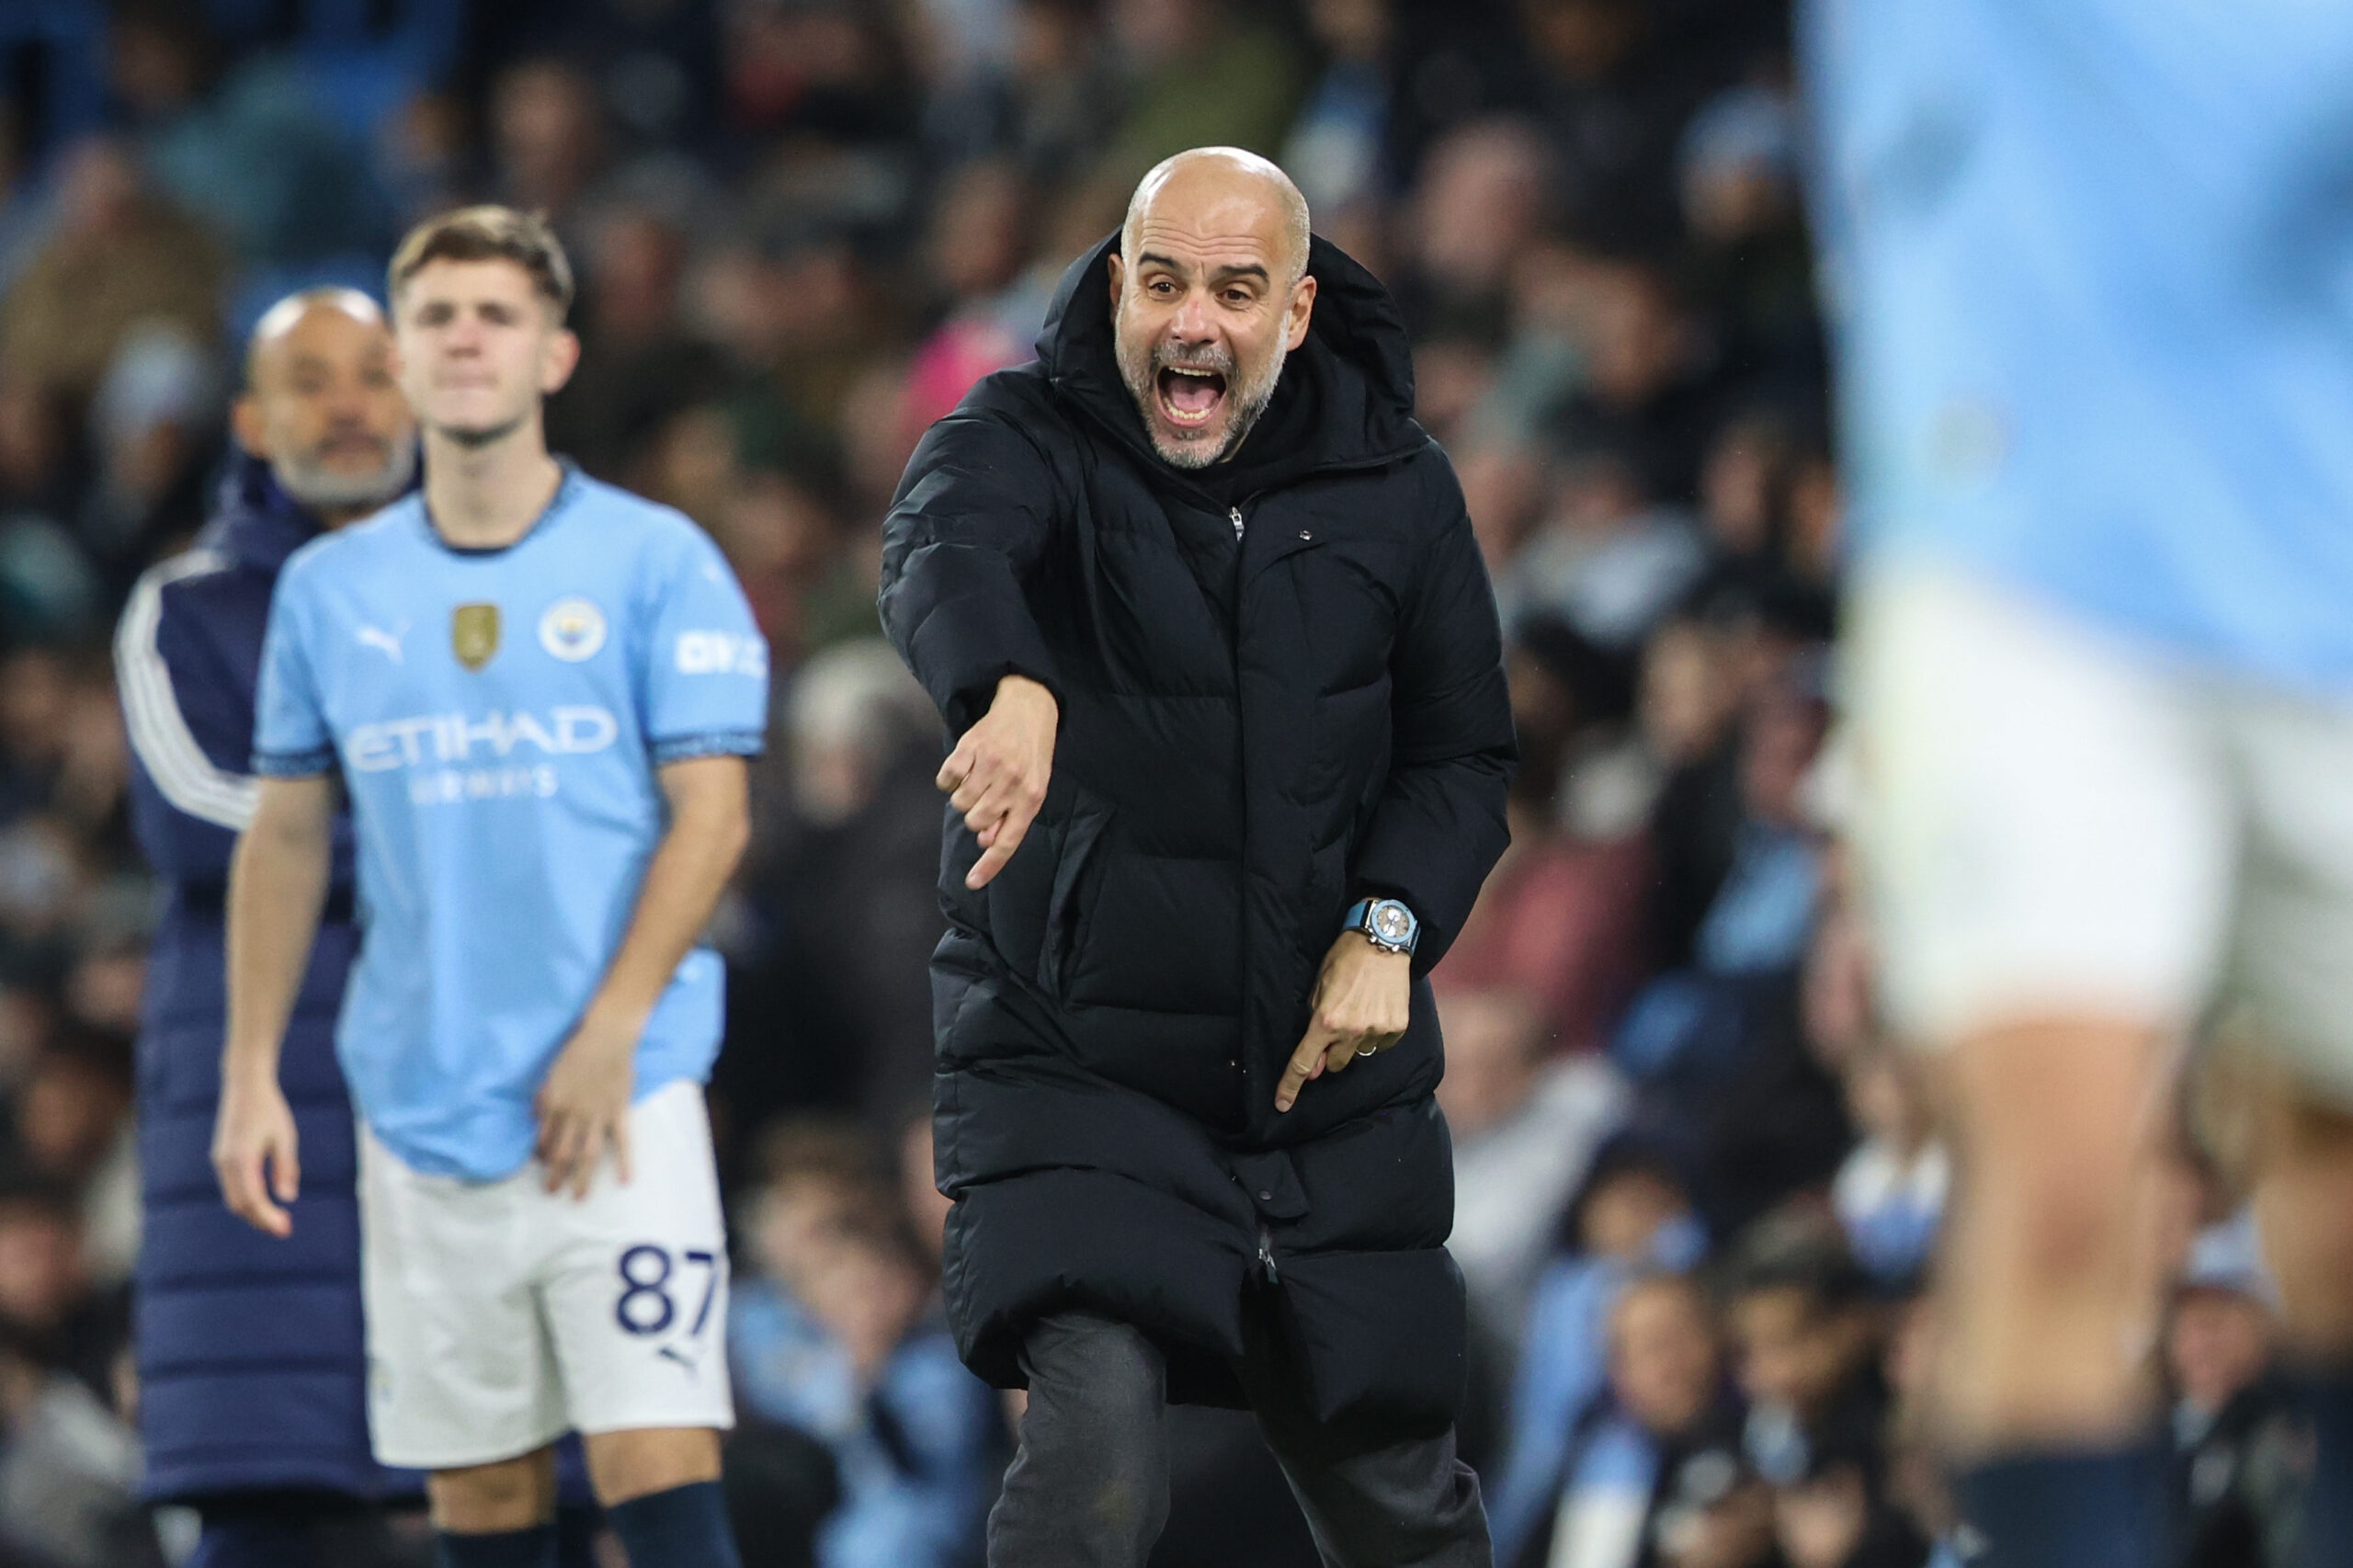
[(1010, 829), (1306, 1062)]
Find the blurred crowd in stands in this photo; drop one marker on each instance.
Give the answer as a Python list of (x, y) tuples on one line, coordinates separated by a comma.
[(1697, 1187)]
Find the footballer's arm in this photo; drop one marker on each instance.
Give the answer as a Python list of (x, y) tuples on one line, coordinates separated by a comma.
[(278, 885), (585, 1103)]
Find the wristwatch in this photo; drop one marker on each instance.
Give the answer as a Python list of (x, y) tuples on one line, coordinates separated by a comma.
[(1386, 924)]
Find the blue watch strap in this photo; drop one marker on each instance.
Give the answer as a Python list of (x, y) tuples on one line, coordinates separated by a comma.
[(1359, 918)]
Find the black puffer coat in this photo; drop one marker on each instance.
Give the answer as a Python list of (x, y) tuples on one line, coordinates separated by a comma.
[(1245, 746)]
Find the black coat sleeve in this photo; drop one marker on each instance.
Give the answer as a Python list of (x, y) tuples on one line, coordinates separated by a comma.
[(1438, 827), (966, 533)]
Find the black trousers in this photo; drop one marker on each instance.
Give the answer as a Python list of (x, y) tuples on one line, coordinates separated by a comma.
[(1089, 1487)]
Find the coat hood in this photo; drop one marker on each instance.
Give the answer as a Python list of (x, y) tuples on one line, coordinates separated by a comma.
[(1355, 349)]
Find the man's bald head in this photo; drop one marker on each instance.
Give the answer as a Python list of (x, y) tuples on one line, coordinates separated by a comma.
[(1209, 292), (321, 407), (1193, 181), (279, 322)]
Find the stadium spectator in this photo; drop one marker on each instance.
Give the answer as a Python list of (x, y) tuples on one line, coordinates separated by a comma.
[(152, 428), (1198, 73), (638, 362), (1478, 204), (115, 257), (2239, 1445), (840, 1338), (50, 1314), (1890, 1193), (1653, 1469), (68, 1474), (1526, 1122), (247, 143), (1337, 147), (1631, 1217), (1607, 559), (1805, 1340), (1559, 918)]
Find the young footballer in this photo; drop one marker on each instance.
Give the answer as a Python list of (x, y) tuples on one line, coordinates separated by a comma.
[(537, 693)]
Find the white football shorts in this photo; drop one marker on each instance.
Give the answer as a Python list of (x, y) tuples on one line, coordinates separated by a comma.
[(2052, 821), (501, 1315)]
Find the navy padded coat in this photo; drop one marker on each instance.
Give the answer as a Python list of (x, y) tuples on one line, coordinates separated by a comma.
[(251, 1359)]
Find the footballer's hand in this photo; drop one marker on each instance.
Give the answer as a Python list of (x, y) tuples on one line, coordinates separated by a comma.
[(1364, 998), (584, 1105), (996, 776), (254, 1153)]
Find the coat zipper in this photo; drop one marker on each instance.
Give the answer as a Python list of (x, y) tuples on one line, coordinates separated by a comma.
[(1236, 513), (1266, 1253)]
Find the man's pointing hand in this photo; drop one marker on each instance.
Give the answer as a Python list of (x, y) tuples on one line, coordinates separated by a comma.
[(1364, 999), (997, 774)]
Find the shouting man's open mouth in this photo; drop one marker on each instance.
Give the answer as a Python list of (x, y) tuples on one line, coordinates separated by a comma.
[(1191, 395)]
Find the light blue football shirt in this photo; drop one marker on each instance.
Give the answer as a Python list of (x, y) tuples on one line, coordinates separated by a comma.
[(497, 718), (2090, 268)]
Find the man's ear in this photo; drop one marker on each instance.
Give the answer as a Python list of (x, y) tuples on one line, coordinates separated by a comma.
[(1303, 308), (563, 358), (244, 418), (1119, 270)]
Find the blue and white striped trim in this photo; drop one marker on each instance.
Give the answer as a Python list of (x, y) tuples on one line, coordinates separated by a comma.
[(151, 711)]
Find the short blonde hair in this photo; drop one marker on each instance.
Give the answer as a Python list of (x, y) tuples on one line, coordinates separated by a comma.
[(487, 233)]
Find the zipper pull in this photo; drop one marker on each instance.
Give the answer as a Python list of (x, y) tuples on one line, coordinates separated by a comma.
[(1267, 1254), (1236, 513)]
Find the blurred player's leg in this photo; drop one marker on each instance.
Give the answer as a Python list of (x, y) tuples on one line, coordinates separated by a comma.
[(662, 1495), (2049, 1293), (496, 1515), (2048, 850), (2050, 1255)]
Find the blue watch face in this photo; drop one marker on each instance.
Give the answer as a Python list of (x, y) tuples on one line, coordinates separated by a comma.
[(1390, 921)]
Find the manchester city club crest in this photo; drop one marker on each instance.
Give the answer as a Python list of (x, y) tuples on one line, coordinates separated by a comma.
[(473, 634), (572, 630)]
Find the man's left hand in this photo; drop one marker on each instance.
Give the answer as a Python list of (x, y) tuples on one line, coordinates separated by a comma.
[(1364, 998), (584, 1105)]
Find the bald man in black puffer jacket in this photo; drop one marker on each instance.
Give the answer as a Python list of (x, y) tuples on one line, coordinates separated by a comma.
[(1203, 607)]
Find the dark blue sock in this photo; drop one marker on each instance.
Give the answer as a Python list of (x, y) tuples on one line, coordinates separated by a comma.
[(683, 1528), (2067, 1508), (533, 1548), (2328, 1531)]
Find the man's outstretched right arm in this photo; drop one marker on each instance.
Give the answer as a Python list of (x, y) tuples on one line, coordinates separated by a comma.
[(970, 528), (278, 885)]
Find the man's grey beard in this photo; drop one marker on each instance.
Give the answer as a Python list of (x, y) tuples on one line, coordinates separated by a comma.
[(322, 489), (1250, 400)]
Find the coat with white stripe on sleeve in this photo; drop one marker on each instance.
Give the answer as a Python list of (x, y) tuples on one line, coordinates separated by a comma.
[(252, 1368)]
